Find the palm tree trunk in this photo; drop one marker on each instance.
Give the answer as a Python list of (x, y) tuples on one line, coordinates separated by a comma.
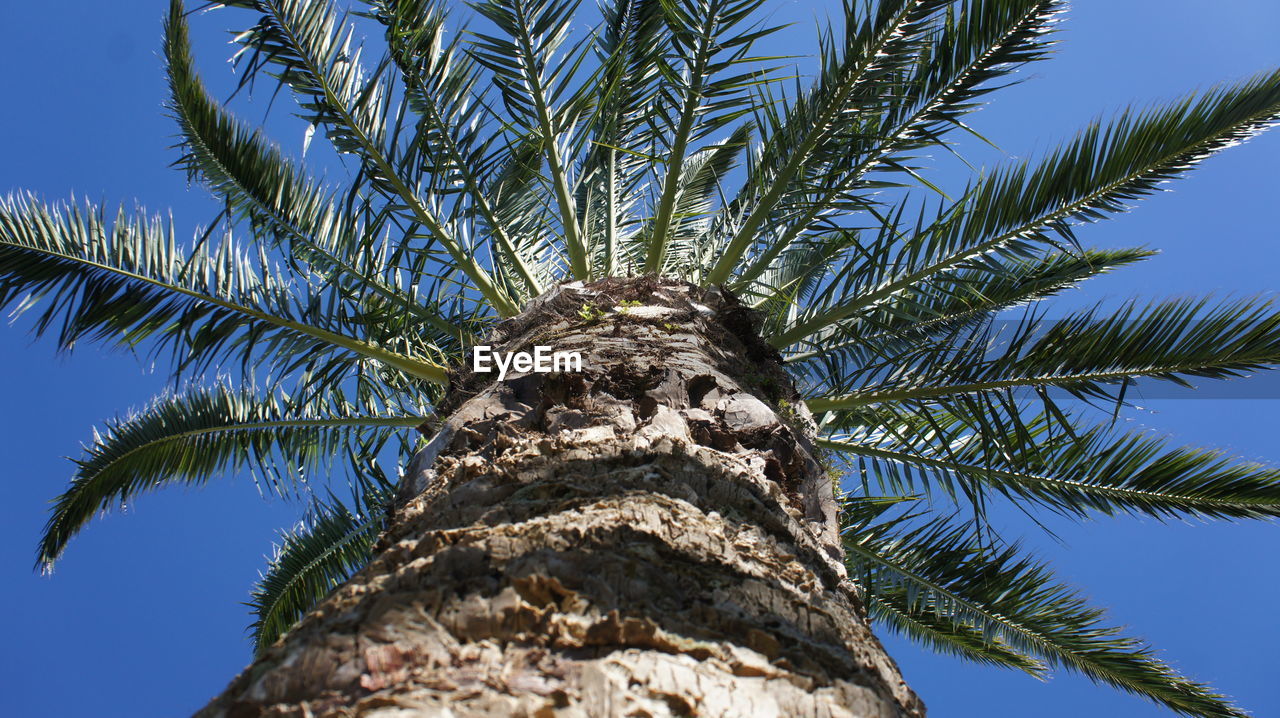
[(650, 536)]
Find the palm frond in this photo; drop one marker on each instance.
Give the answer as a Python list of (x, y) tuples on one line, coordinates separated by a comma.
[(441, 81), (856, 80), (332, 543), (1091, 353), (129, 282), (524, 66), (622, 141), (189, 438), (958, 64), (308, 44), (521, 201), (891, 610), (253, 177), (704, 91), (799, 271), (964, 297), (1026, 205), (1075, 470), (939, 572), (700, 183)]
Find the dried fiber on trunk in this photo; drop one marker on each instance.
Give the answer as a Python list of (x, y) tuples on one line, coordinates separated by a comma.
[(650, 536)]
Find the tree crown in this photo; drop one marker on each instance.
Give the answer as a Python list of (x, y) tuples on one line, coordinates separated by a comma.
[(494, 159)]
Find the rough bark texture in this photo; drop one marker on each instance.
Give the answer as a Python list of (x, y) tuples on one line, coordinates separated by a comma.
[(650, 537)]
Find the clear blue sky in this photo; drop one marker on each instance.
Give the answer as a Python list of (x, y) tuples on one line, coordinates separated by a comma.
[(144, 616)]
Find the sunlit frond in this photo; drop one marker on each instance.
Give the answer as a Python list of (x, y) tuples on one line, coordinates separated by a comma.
[(532, 79), (707, 88), (330, 544), (309, 45), (192, 437), (441, 82), (965, 298), (859, 78), (1033, 205), (958, 62), (129, 282), (254, 178)]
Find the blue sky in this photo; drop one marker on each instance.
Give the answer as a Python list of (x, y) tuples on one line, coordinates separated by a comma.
[(144, 615)]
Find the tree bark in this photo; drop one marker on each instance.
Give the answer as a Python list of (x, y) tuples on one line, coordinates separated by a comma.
[(652, 536)]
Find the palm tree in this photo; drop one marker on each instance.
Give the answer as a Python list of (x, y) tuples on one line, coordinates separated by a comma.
[(805, 372)]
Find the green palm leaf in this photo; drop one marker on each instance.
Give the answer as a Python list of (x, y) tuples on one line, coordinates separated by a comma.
[(623, 143), (530, 83), (128, 282), (1099, 173), (1074, 470), (303, 39), (253, 177), (440, 83), (331, 544), (188, 438), (964, 298), (856, 79), (700, 182), (939, 573), (1085, 353), (958, 64), (892, 610), (706, 92)]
